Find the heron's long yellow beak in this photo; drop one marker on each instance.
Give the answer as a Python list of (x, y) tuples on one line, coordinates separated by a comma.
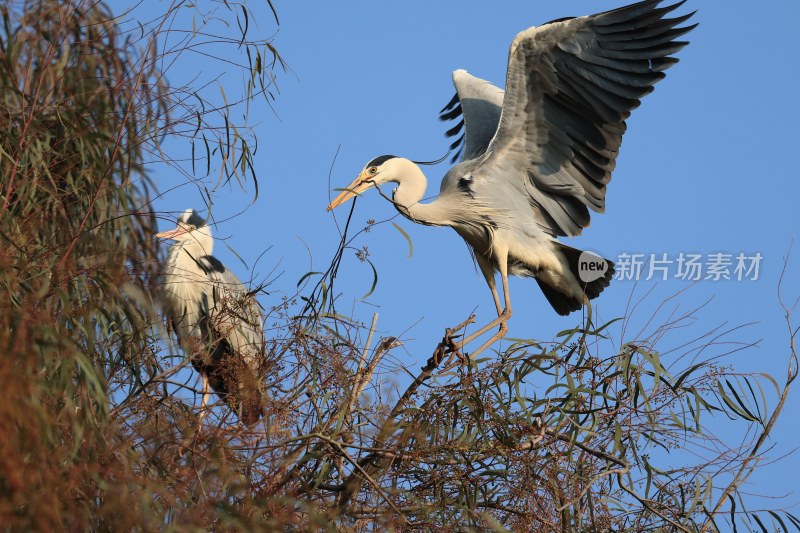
[(171, 234), (359, 185)]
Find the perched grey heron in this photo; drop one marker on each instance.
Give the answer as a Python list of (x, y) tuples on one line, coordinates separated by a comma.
[(539, 156), (218, 323)]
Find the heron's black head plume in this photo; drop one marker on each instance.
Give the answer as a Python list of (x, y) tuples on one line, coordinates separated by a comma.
[(435, 162), (378, 161), (193, 218)]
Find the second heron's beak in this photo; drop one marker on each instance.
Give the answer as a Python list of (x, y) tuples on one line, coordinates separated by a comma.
[(359, 185)]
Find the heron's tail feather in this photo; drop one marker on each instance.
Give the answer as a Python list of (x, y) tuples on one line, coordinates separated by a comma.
[(252, 400), (245, 391), (562, 303), (592, 280), (252, 410)]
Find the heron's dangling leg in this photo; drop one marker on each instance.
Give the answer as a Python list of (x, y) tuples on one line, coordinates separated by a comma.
[(206, 395), (502, 314), (502, 319), (497, 304)]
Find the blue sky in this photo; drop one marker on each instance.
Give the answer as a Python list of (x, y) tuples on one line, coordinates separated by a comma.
[(707, 166)]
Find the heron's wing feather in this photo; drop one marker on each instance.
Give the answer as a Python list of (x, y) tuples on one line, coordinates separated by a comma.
[(234, 313), (235, 328), (476, 106), (570, 86)]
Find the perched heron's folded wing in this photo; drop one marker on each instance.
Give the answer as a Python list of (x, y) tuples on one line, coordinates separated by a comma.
[(476, 105), (570, 86), (235, 315), (236, 321)]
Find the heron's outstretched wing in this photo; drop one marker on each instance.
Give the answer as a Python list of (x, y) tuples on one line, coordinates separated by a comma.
[(476, 105), (570, 86)]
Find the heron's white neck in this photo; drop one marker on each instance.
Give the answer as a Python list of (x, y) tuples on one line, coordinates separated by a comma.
[(411, 186), (197, 243)]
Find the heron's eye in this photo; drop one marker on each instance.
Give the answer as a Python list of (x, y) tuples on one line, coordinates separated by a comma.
[(373, 170)]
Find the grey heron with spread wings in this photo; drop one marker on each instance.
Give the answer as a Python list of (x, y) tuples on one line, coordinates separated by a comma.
[(537, 157), (217, 321)]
